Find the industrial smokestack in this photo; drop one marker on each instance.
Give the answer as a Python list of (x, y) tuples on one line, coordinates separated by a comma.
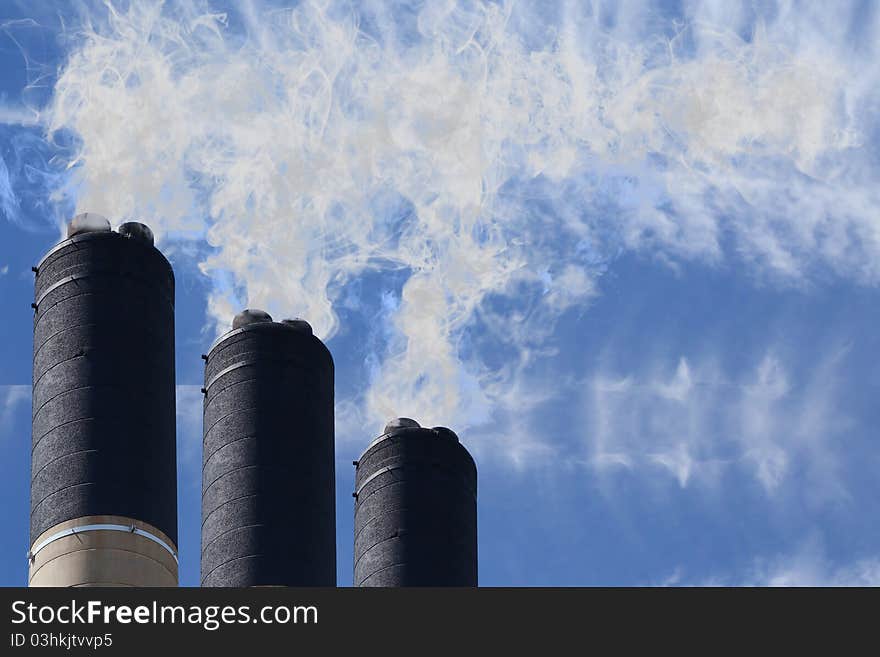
[(104, 474), (268, 490), (415, 515)]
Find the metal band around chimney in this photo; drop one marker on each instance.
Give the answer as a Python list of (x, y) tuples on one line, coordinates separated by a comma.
[(389, 468), (247, 363), (129, 529), (77, 277)]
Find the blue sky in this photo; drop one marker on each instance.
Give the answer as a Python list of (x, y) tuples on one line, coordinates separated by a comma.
[(628, 251)]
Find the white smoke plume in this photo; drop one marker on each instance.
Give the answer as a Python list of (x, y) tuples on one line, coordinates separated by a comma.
[(494, 155)]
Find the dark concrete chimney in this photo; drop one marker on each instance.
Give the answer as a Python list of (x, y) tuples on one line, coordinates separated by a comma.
[(415, 516), (268, 490), (104, 474)]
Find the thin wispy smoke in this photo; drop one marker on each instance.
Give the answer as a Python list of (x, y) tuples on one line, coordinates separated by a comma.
[(697, 424), (496, 157), (32, 166), (808, 564), (18, 116), (11, 398)]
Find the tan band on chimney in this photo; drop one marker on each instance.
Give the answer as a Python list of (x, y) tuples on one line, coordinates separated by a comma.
[(103, 551)]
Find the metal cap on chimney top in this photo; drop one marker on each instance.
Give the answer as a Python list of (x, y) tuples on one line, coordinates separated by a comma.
[(400, 423), (445, 432), (250, 316), (136, 231), (298, 324)]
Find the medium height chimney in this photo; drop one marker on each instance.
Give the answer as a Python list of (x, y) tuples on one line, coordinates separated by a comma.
[(103, 479), (268, 492)]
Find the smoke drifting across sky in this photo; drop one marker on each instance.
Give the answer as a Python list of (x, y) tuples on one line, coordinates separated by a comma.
[(489, 158)]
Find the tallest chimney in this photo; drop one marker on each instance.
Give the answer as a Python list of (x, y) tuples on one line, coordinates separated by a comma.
[(103, 472)]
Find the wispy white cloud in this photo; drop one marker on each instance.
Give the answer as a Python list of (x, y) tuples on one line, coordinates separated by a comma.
[(516, 439), (12, 397), (4, 270), (189, 426), (808, 571), (19, 116), (807, 565), (353, 429), (696, 422)]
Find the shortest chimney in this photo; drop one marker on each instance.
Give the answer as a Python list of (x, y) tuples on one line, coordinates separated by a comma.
[(415, 518)]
